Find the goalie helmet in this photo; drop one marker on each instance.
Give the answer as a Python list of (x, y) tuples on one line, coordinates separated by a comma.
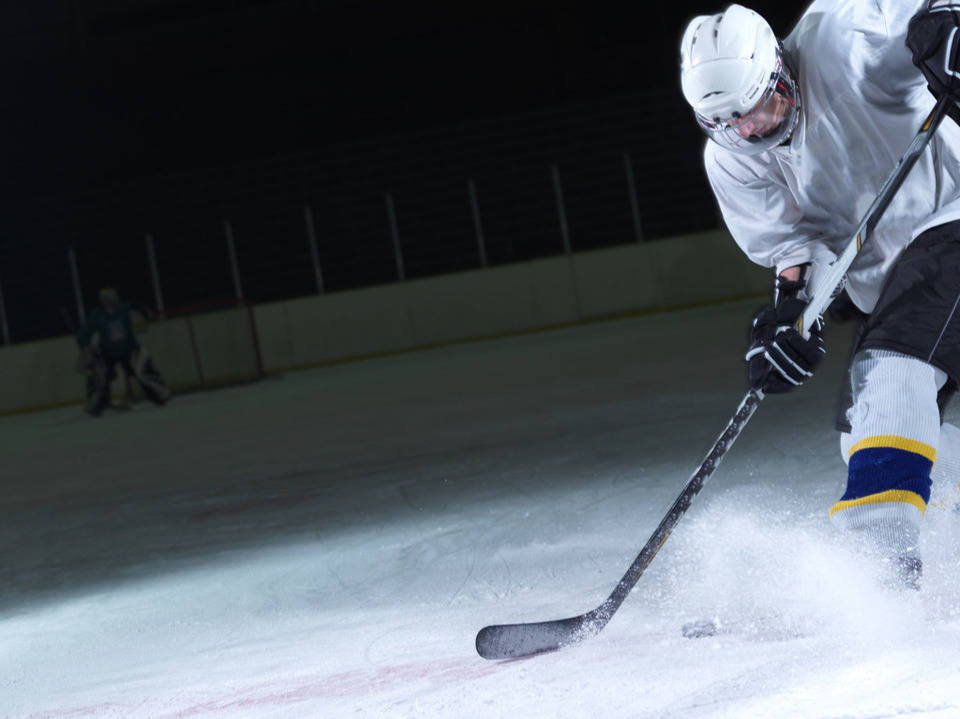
[(736, 77)]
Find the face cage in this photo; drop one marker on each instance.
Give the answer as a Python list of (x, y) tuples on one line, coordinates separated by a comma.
[(782, 93)]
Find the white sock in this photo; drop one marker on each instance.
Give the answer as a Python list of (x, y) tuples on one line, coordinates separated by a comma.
[(890, 450), (946, 472)]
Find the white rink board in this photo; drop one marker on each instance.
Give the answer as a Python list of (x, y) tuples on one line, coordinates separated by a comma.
[(168, 341), (702, 268), (326, 544)]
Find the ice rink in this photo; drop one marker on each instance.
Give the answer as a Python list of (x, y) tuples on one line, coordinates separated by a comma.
[(328, 543)]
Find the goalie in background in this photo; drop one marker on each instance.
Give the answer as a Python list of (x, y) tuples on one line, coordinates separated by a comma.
[(111, 323)]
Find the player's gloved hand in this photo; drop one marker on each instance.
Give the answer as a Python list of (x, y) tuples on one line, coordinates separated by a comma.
[(934, 40), (779, 357)]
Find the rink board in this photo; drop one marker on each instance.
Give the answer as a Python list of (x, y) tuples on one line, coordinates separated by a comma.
[(476, 304)]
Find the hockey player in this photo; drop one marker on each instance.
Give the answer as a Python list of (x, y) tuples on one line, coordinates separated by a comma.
[(803, 134), (111, 322)]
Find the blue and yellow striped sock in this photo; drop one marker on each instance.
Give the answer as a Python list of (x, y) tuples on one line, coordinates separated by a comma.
[(892, 450)]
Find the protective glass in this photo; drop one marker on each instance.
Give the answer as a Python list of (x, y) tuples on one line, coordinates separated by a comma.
[(769, 124)]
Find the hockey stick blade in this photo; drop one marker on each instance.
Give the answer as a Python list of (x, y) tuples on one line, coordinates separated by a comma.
[(507, 641)]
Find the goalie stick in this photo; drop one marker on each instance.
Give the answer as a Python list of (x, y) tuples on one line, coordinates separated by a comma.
[(505, 641)]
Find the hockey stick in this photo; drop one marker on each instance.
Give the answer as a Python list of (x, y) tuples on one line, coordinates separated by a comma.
[(503, 641)]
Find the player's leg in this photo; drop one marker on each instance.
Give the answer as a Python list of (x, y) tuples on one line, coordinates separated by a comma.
[(99, 372), (97, 386), (908, 350), (945, 492), (127, 364), (891, 450)]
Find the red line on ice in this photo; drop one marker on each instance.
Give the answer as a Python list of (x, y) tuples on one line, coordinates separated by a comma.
[(357, 681)]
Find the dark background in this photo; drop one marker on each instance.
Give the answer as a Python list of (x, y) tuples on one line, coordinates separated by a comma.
[(122, 117)]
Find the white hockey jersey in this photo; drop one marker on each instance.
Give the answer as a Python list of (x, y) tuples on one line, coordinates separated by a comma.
[(863, 101)]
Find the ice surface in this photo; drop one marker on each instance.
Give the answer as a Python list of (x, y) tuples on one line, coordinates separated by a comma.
[(328, 543)]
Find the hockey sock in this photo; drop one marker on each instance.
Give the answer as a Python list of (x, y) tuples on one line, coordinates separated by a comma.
[(946, 473), (891, 450)]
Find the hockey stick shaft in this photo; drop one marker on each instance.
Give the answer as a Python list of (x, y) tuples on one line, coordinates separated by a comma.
[(516, 640), (505, 641), (696, 482)]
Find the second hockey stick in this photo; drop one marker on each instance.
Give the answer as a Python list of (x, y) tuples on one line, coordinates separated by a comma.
[(504, 641)]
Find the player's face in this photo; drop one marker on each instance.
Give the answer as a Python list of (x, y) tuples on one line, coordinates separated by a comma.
[(763, 119), (769, 124)]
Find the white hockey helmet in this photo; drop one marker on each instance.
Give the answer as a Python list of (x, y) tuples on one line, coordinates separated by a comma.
[(735, 75)]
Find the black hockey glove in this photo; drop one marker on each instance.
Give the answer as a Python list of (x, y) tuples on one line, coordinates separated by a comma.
[(779, 357), (934, 40)]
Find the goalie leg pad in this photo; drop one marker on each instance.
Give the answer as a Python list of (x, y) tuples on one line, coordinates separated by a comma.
[(98, 386), (150, 378)]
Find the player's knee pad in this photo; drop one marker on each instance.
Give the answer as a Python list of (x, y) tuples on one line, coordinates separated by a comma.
[(892, 447)]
